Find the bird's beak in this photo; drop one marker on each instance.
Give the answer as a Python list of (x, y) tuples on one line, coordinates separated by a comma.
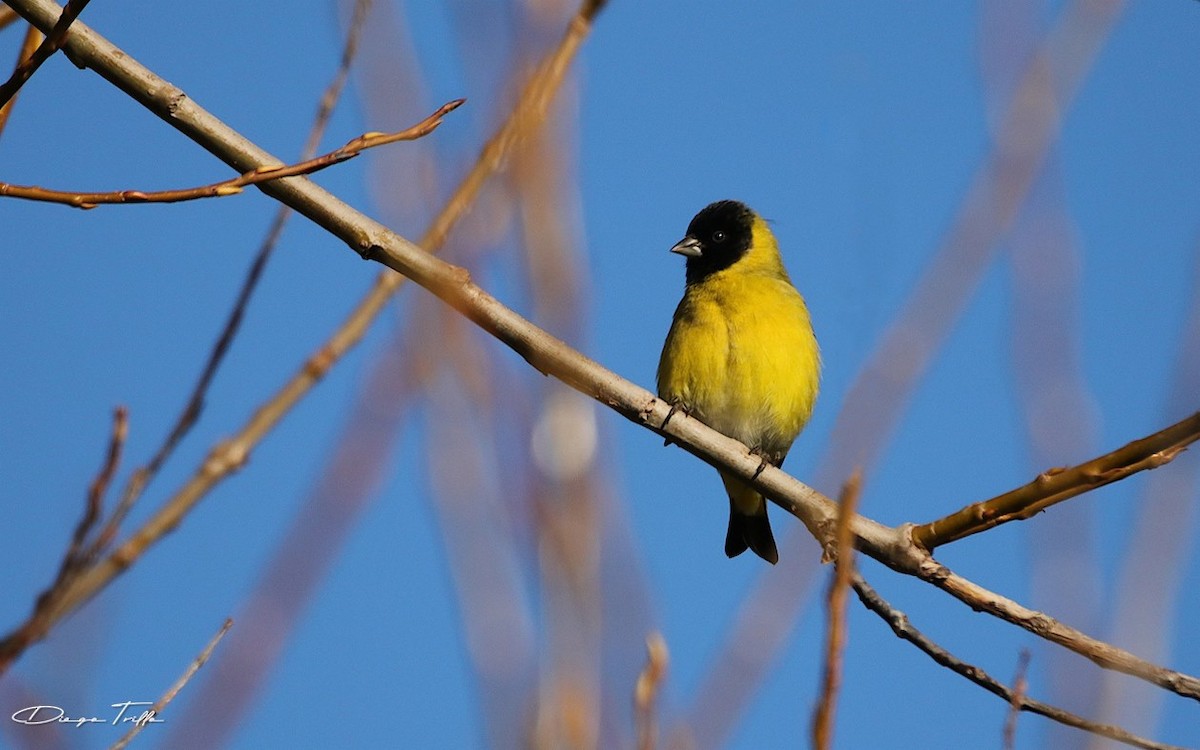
[(689, 246)]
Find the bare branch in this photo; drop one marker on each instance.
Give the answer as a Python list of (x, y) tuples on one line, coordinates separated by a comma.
[(33, 38), (835, 634), (53, 41), (903, 628), (76, 556), (645, 692), (1056, 485), (172, 691), (1044, 626), (1019, 689), (234, 185), (1151, 582)]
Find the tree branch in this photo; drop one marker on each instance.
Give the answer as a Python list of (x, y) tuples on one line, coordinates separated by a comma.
[(1056, 485), (646, 690), (234, 185), (1019, 689), (178, 685), (29, 44), (835, 637), (51, 44), (78, 555), (903, 628), (1042, 625)]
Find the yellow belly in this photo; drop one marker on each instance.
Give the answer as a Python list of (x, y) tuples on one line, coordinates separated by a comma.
[(741, 357)]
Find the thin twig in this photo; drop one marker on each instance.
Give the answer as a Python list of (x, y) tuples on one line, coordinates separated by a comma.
[(903, 628), (1056, 485), (234, 185), (1042, 625), (1019, 689), (33, 38), (49, 46), (645, 691), (333, 92), (842, 550), (195, 404), (76, 555), (183, 680)]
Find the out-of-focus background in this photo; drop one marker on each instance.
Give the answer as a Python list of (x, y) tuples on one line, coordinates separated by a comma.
[(991, 208)]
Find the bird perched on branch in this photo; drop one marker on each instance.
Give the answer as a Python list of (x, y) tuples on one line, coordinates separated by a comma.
[(741, 355)]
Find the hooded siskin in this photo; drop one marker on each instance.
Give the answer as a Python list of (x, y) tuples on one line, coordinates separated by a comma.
[(741, 355)]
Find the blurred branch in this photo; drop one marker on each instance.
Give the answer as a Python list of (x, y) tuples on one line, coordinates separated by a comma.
[(876, 400), (1026, 131), (53, 41), (646, 690), (325, 518), (183, 680), (358, 231), (234, 185), (7, 16), (1062, 551), (77, 556), (835, 632), (1059, 484), (1019, 689), (195, 405), (561, 465), (33, 38), (1152, 574), (903, 628)]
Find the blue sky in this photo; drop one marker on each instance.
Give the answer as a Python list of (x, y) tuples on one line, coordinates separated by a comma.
[(856, 128)]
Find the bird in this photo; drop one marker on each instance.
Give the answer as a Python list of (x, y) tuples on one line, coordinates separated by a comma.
[(741, 355)]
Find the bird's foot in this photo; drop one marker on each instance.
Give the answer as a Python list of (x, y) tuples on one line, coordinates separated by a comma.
[(763, 461), (675, 407)]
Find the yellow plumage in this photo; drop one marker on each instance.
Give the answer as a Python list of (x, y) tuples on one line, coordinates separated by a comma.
[(741, 355)]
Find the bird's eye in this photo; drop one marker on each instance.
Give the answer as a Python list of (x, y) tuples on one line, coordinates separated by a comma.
[(718, 236)]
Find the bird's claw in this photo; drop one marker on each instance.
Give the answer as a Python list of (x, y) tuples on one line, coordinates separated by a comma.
[(675, 407), (762, 462)]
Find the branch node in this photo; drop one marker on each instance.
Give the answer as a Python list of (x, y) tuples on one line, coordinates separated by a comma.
[(227, 457), (319, 363), (175, 100)]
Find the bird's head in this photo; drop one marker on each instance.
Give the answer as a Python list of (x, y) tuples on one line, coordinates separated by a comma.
[(717, 238)]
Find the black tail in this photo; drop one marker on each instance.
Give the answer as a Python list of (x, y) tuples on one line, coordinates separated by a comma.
[(751, 531)]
